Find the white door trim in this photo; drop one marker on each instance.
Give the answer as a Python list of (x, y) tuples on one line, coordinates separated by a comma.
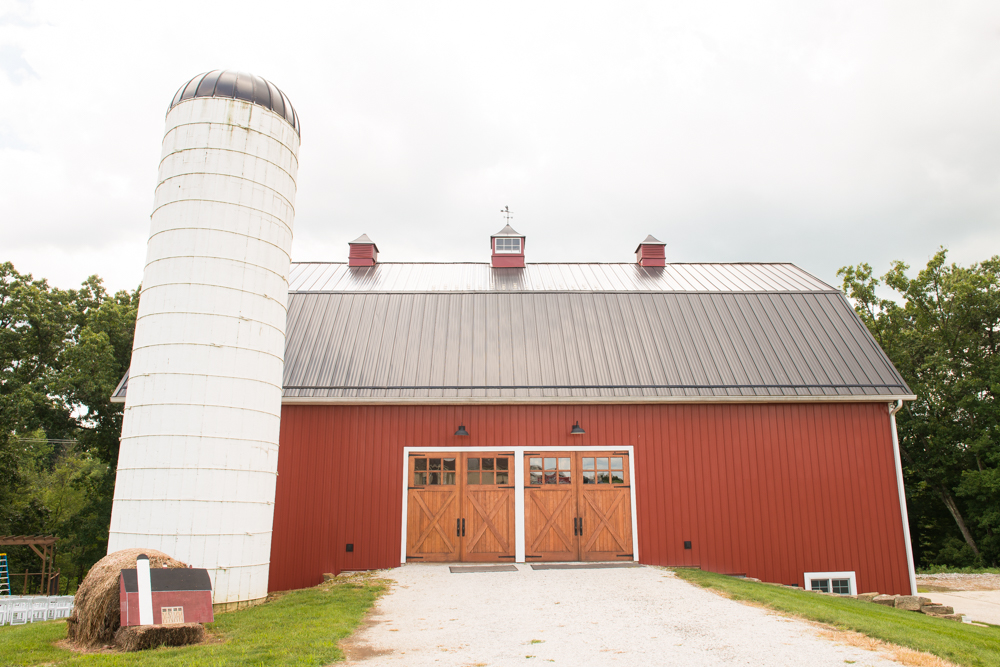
[(518, 487)]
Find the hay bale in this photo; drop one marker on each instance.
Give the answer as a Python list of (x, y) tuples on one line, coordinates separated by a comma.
[(142, 637), (97, 613)]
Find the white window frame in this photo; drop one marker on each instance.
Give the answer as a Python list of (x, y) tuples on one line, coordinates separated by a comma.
[(850, 576), (497, 250)]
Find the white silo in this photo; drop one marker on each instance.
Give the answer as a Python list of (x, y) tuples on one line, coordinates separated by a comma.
[(199, 448)]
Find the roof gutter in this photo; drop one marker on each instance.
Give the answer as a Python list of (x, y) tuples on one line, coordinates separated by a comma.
[(587, 400), (893, 409)]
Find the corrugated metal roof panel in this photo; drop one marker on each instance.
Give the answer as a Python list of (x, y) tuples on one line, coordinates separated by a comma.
[(580, 344), (389, 277)]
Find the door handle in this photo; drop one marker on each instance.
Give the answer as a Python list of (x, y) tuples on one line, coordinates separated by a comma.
[(463, 527), (458, 527), (581, 526), (576, 526)]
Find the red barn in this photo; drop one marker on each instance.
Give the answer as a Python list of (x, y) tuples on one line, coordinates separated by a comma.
[(733, 417)]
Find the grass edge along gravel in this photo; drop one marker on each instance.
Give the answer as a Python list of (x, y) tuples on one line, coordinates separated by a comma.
[(302, 627), (960, 643)]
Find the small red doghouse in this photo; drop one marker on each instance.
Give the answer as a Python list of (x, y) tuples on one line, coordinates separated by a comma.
[(171, 595)]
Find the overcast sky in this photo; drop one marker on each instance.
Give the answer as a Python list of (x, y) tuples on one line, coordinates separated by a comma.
[(818, 133)]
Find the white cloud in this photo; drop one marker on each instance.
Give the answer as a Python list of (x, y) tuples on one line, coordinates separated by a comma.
[(819, 133)]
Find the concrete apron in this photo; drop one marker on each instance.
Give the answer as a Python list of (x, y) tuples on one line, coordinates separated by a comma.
[(982, 606)]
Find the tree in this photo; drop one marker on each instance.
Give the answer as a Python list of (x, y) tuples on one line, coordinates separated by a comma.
[(62, 352), (941, 331)]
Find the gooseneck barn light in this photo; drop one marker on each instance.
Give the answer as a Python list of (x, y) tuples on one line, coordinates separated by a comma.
[(577, 430), (461, 430)]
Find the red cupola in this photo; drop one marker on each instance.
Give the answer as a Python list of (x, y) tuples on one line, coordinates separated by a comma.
[(651, 252), (508, 249), (364, 252)]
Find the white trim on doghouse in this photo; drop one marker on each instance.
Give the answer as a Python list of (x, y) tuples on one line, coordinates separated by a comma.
[(830, 576), (519, 488)]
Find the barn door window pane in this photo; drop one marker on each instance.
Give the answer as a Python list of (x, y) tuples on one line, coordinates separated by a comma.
[(419, 478), (472, 464), (534, 464), (435, 464), (558, 470), (449, 464), (420, 464)]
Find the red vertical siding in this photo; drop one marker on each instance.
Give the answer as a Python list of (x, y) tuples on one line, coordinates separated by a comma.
[(767, 490)]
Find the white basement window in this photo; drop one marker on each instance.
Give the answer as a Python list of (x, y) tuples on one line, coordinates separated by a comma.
[(841, 583), (508, 245)]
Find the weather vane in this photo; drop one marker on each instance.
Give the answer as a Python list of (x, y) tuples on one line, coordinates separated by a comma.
[(506, 213)]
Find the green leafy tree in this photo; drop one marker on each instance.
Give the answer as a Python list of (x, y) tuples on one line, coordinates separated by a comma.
[(941, 330), (62, 352)]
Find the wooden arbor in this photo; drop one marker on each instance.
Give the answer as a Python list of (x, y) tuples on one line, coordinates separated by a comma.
[(45, 547)]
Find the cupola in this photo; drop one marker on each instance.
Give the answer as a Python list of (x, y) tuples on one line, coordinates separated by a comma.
[(364, 252), (508, 248), (651, 252)]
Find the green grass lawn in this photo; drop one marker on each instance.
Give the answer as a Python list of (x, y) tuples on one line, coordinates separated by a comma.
[(298, 628), (960, 643)]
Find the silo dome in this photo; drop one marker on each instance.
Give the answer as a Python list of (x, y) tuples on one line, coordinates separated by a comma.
[(239, 86)]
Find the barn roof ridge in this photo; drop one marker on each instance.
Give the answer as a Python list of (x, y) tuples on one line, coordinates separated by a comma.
[(604, 277)]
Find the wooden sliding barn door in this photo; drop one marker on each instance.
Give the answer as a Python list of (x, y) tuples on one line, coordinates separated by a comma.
[(550, 524), (460, 507), (577, 506), (433, 527), (488, 507), (605, 506)]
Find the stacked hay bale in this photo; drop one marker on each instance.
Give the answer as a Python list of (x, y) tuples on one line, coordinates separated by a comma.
[(141, 637), (96, 618)]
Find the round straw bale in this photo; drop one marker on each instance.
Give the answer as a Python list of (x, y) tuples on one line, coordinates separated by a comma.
[(96, 610)]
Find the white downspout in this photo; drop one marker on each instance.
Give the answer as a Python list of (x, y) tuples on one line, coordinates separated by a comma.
[(893, 409)]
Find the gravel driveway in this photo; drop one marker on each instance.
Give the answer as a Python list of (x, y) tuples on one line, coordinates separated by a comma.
[(628, 616)]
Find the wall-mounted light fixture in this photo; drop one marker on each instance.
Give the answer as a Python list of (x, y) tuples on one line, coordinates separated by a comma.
[(461, 430), (577, 430)]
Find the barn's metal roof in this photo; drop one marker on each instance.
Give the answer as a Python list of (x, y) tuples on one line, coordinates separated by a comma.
[(469, 277), (694, 339), (584, 332)]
